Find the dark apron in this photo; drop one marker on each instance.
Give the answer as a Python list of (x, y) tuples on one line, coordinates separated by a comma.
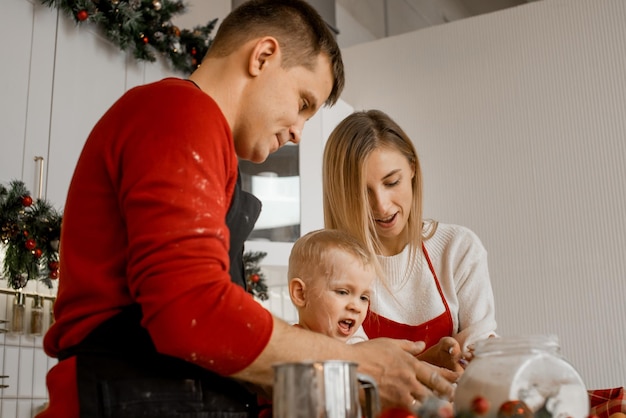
[(120, 374)]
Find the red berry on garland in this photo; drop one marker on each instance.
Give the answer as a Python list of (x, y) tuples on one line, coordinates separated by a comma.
[(82, 15), (30, 244), (25, 233), (27, 201), (193, 51), (514, 409), (54, 274), (480, 405), (254, 278), (145, 39), (37, 253)]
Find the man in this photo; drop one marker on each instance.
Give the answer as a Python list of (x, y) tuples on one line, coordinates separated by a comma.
[(152, 317)]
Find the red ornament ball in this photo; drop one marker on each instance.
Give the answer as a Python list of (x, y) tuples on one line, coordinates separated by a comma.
[(53, 265), (30, 244), (54, 274), (254, 278), (27, 200), (82, 15), (480, 405), (145, 39), (397, 413), (37, 253), (514, 409)]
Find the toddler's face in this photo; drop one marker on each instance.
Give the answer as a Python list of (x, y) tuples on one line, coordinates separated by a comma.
[(337, 303)]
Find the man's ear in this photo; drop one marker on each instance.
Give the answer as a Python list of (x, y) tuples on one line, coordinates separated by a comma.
[(265, 50), (297, 289)]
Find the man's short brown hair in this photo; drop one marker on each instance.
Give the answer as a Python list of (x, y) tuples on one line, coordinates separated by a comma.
[(298, 27)]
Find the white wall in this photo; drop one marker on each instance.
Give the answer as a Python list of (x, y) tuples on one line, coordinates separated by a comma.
[(518, 117)]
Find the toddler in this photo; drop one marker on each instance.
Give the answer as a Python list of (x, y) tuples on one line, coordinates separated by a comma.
[(330, 277)]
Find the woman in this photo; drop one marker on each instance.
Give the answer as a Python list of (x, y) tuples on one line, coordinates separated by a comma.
[(434, 281)]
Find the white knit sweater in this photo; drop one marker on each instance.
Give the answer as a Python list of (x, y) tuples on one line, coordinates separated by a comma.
[(411, 297)]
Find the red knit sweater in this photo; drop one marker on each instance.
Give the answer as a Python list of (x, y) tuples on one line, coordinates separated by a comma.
[(144, 222)]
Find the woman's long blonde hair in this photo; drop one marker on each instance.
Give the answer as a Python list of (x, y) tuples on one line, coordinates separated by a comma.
[(346, 202)]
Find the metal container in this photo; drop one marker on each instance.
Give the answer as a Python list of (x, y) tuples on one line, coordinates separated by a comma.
[(326, 389)]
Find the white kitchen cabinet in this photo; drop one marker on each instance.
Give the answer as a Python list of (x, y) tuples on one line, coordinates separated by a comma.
[(26, 89), (14, 87)]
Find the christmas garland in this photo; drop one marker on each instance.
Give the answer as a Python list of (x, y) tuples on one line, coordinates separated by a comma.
[(29, 233), (145, 27)]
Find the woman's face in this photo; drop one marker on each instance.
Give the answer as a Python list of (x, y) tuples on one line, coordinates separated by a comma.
[(388, 175)]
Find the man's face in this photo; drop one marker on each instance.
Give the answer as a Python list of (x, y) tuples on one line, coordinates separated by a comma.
[(278, 102)]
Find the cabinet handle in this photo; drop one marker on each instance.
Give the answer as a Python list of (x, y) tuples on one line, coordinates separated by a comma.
[(40, 186)]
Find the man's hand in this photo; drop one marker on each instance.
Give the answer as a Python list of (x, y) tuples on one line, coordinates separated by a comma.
[(402, 379)]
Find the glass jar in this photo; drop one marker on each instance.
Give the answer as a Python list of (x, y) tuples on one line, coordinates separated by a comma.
[(19, 313), (36, 316), (520, 376)]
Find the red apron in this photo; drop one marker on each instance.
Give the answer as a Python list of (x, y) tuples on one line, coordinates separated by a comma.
[(430, 332)]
